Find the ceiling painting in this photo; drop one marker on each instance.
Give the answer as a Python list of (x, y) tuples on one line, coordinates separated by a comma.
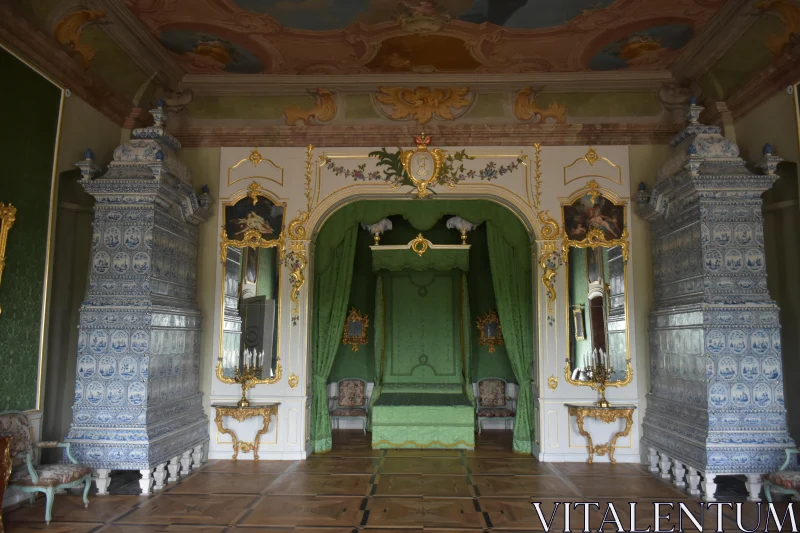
[(205, 53), (643, 49), (422, 36)]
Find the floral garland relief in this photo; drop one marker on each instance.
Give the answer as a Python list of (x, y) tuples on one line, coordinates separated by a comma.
[(453, 171)]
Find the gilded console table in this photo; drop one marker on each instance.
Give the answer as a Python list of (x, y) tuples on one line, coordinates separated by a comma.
[(604, 414), (265, 411)]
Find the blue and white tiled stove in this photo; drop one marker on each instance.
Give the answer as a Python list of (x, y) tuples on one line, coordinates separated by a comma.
[(137, 399), (715, 405)]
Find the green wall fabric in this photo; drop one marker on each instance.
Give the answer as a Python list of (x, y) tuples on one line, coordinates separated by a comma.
[(266, 281), (29, 105), (334, 274), (512, 287)]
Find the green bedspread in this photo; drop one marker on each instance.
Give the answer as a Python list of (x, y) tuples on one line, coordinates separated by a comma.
[(406, 420)]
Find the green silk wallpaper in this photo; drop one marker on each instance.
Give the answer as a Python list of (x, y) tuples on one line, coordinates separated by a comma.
[(361, 364), (29, 105)]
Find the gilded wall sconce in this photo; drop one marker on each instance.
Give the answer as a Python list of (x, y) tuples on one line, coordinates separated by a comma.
[(8, 214), (355, 329)]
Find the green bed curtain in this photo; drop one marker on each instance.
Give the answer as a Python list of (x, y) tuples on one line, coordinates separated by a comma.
[(334, 273), (466, 344), (378, 344), (512, 287)]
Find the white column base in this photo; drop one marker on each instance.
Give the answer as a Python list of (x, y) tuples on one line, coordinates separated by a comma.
[(146, 482), (679, 471), (652, 456), (754, 484), (174, 469), (693, 481), (664, 464), (101, 478), (186, 463), (197, 456), (709, 487), (159, 475)]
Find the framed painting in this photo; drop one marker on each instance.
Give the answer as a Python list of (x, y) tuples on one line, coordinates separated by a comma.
[(594, 212), (262, 217)]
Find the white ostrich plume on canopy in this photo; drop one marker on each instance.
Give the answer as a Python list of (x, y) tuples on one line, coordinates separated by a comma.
[(379, 227), (460, 224)]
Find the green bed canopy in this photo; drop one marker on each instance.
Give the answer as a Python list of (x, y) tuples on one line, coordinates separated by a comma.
[(510, 261)]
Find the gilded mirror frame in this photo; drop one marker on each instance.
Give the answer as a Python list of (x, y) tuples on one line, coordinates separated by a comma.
[(485, 340), (354, 341), (252, 238), (8, 215), (596, 238)]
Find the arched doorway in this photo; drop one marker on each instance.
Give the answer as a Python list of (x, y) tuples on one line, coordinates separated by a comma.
[(343, 280)]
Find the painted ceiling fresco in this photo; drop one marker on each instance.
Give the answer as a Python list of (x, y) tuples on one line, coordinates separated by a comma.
[(422, 36)]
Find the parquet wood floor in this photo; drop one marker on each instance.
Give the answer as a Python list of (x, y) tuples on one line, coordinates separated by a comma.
[(355, 488)]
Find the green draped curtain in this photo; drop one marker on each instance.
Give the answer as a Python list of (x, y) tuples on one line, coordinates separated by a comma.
[(512, 288), (379, 346), (334, 274), (466, 345)]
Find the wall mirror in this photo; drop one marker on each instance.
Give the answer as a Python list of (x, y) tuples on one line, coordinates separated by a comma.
[(355, 329), (595, 251), (489, 331), (252, 252)]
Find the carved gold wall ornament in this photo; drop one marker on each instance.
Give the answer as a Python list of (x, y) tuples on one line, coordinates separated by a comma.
[(525, 108), (8, 215), (549, 262), (606, 415), (255, 157), (552, 382), (252, 239), (594, 239), (69, 29), (293, 381), (255, 191), (423, 103), (323, 110), (420, 244), (549, 227), (297, 229), (592, 157), (355, 329), (423, 165), (241, 414), (296, 262), (490, 333)]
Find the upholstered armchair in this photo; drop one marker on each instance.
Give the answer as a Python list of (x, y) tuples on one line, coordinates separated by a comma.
[(783, 481), (351, 402), (27, 477), (493, 401)]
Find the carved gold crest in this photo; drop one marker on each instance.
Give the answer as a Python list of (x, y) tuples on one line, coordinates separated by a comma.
[(422, 165)]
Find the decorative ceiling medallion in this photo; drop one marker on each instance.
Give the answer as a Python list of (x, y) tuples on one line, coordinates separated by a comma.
[(422, 165), (423, 103)]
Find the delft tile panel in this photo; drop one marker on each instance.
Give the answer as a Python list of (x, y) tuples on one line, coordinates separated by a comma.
[(137, 400), (716, 399)]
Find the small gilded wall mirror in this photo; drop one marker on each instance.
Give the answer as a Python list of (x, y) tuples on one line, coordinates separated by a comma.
[(8, 214), (355, 329), (595, 252), (489, 331), (252, 252)]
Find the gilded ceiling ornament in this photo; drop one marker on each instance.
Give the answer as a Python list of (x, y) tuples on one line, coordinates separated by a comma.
[(323, 110), (525, 108), (68, 33), (297, 229), (423, 103)]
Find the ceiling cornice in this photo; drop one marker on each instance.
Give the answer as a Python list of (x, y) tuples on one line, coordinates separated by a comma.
[(258, 84), (25, 40), (447, 135), (717, 37), (784, 71), (139, 43)]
